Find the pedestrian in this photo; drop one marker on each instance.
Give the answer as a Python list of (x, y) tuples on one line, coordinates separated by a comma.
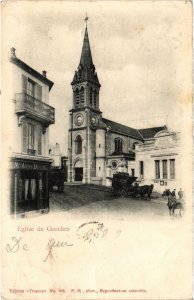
[(173, 194), (180, 194)]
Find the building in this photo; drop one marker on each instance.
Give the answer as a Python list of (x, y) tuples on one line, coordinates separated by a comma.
[(59, 163), (158, 159), (32, 116), (55, 154), (98, 147)]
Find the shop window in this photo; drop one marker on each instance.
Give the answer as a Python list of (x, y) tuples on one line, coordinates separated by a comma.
[(78, 145), (118, 144), (28, 187), (32, 191), (141, 166), (157, 169), (164, 169), (172, 168)]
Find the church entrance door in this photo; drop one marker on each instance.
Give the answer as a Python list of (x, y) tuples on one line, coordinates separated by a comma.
[(78, 174), (78, 169)]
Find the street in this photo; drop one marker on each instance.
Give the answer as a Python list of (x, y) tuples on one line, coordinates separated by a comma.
[(79, 200)]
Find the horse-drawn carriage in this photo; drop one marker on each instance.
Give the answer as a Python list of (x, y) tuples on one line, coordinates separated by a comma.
[(125, 185)]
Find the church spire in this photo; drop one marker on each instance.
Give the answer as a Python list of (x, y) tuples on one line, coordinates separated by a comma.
[(86, 69), (86, 55)]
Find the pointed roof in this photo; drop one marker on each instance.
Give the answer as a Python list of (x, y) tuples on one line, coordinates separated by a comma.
[(86, 55), (86, 69)]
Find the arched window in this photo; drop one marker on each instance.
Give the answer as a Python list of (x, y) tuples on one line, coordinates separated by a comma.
[(82, 96), (95, 98), (91, 96), (77, 97), (78, 145), (118, 144)]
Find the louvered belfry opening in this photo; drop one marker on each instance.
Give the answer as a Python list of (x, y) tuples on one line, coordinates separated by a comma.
[(82, 96), (77, 100), (86, 73)]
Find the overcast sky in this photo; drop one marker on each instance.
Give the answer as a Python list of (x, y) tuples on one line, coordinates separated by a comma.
[(141, 51)]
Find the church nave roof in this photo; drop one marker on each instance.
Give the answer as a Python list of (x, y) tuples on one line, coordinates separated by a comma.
[(122, 129)]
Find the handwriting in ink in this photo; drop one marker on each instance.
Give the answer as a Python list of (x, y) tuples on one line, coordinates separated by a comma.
[(14, 246), (91, 231), (54, 244)]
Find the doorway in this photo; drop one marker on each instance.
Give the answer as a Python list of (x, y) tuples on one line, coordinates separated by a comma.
[(78, 174)]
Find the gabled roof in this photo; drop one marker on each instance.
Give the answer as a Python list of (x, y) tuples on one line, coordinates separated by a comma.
[(148, 133), (122, 129), (31, 71)]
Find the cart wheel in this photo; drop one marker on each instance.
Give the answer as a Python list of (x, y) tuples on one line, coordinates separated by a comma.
[(123, 193)]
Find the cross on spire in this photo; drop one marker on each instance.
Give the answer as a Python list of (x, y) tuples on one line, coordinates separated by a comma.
[(86, 19)]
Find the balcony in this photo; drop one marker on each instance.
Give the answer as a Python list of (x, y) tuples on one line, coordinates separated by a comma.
[(34, 108)]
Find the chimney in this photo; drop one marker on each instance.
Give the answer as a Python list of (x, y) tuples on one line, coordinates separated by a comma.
[(13, 52), (44, 73)]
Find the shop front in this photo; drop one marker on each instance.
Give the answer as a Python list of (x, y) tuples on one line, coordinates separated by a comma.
[(29, 186)]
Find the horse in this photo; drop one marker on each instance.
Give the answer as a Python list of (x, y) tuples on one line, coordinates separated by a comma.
[(166, 193), (174, 204), (143, 191)]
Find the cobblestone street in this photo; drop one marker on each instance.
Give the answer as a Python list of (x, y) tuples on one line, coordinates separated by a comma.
[(92, 202)]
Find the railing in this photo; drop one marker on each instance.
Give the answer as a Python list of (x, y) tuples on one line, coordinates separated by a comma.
[(28, 104)]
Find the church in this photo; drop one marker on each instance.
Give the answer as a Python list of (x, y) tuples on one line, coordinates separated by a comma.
[(98, 147)]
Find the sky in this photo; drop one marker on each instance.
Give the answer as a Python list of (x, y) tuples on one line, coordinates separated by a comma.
[(141, 51)]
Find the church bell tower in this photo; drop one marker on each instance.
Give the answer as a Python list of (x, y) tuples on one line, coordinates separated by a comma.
[(85, 116)]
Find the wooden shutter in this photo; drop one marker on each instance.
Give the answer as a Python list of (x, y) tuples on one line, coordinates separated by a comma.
[(38, 92), (24, 83), (25, 136), (39, 139)]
